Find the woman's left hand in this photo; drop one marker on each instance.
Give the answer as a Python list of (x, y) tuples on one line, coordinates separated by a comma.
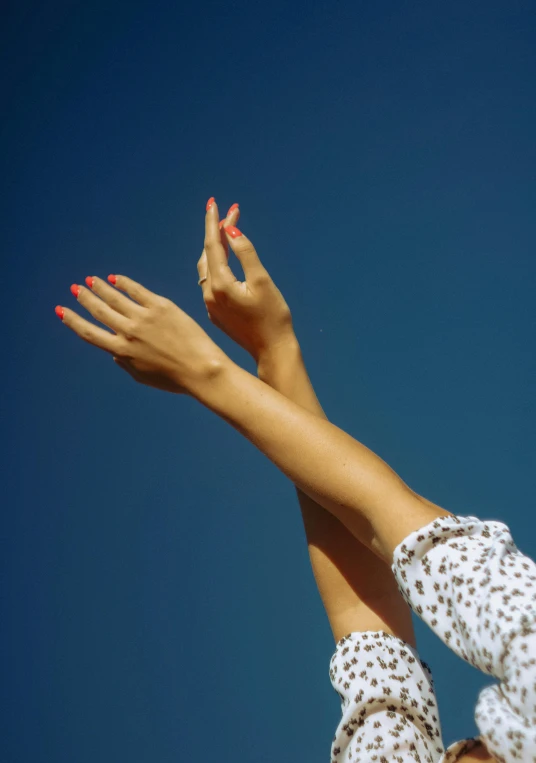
[(154, 340)]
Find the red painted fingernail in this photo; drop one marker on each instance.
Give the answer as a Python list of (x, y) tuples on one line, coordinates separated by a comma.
[(221, 224), (210, 202), (90, 281), (75, 289), (232, 231), (112, 279), (59, 311), (232, 209)]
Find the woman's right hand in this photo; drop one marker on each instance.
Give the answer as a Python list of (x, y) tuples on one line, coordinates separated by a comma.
[(253, 312)]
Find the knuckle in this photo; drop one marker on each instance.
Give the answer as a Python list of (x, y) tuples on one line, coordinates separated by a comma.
[(133, 330), (219, 291), (159, 305), (261, 279), (85, 332), (101, 314), (219, 283), (123, 349), (164, 303), (116, 304)]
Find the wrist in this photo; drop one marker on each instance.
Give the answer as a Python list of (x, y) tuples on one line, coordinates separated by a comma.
[(272, 360), (282, 367), (207, 375), (217, 390)]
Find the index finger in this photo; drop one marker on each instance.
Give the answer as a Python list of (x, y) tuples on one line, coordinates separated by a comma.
[(221, 274)]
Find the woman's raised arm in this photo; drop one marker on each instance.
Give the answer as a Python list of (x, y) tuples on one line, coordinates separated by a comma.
[(336, 471), (358, 590), (163, 347)]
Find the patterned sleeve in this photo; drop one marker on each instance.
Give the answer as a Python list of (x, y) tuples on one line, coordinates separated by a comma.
[(389, 709), (468, 581)]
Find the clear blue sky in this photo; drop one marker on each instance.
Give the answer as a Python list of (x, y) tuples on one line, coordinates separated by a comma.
[(158, 601)]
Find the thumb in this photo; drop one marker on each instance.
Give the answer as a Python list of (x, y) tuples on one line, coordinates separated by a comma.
[(246, 254)]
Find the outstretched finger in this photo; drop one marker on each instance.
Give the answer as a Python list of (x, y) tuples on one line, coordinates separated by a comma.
[(221, 275), (135, 290), (102, 311), (246, 254), (113, 297), (89, 332)]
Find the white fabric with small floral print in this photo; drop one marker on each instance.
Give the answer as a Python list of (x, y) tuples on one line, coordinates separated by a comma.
[(389, 708), (470, 583), (467, 580)]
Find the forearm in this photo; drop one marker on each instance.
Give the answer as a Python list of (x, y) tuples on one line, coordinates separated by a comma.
[(338, 472), (358, 590), (284, 370)]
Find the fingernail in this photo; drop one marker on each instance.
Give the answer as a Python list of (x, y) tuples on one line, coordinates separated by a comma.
[(59, 311), (232, 209), (75, 289), (221, 224), (210, 202), (90, 281), (112, 279), (232, 231)]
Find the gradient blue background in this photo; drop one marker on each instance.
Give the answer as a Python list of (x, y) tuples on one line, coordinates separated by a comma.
[(158, 603)]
